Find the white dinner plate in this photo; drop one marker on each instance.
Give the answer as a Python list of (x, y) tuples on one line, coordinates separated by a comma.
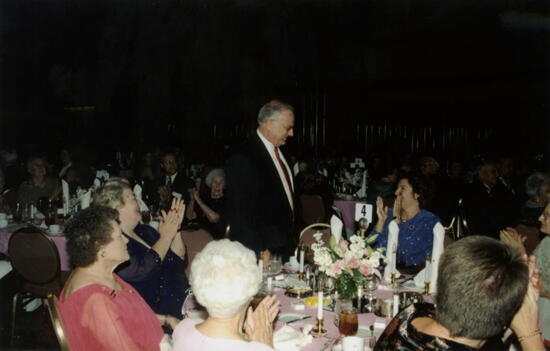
[(290, 316)]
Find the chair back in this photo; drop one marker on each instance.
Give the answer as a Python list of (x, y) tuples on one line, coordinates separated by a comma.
[(195, 241), (34, 256), (57, 322), (306, 235), (313, 209)]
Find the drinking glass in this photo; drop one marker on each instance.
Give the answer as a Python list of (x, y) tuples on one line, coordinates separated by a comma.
[(257, 299), (275, 264), (18, 213), (50, 216), (348, 321)]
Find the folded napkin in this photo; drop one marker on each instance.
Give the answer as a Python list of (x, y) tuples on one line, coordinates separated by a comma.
[(290, 339), (5, 268), (391, 251), (65, 190), (137, 191), (336, 226), (429, 273), (361, 193), (85, 200), (166, 343)]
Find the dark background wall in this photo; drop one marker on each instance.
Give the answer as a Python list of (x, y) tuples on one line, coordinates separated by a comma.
[(192, 72)]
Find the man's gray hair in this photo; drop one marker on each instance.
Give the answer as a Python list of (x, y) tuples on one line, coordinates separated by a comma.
[(534, 182), (225, 277), (216, 172), (272, 109)]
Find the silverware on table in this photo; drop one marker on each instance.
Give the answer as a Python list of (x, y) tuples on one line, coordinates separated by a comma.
[(297, 319)]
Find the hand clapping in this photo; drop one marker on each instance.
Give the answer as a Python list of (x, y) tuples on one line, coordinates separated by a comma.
[(171, 220)]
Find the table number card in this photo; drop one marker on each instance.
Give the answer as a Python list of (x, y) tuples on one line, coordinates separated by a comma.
[(363, 211)]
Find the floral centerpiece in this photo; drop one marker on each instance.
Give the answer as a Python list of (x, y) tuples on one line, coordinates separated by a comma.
[(349, 263)]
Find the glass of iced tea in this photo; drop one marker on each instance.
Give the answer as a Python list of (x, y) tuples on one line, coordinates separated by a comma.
[(257, 299), (348, 322)]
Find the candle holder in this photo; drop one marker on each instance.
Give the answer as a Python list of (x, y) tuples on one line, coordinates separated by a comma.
[(427, 288), (318, 331), (393, 279)]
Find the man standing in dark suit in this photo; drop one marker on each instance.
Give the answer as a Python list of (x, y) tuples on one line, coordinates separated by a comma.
[(260, 188)]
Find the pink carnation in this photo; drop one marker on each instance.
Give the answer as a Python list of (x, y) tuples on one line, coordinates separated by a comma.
[(343, 244), (338, 266), (365, 269)]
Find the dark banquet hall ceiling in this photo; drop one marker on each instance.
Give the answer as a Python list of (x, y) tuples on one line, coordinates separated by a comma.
[(150, 66)]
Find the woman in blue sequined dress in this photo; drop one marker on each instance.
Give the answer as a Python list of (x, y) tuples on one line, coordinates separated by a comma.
[(415, 224)]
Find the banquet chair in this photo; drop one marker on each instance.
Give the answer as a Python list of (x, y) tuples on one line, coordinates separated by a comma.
[(195, 241), (306, 235), (35, 259), (313, 209), (57, 322)]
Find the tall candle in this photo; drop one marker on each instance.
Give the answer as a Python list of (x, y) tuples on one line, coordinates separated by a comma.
[(395, 304), (301, 261), (394, 259), (261, 265), (320, 305), (428, 271)]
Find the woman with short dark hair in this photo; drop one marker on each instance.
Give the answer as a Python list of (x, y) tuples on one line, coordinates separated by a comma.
[(415, 224), (483, 287), (100, 310)]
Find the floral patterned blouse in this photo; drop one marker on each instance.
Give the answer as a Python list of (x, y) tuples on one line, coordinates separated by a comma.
[(401, 335)]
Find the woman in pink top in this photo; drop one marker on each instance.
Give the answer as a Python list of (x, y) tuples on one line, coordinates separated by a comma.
[(100, 311), (224, 278)]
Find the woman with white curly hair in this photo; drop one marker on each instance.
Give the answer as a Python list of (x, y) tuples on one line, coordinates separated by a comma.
[(207, 207), (224, 279)]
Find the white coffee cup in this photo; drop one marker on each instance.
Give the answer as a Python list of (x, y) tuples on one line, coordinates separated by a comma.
[(55, 228), (3, 222), (352, 343), (155, 224), (3, 215)]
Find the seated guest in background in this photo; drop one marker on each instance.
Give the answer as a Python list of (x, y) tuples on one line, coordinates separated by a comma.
[(39, 185), (100, 310), (65, 162), (224, 278), (415, 224), (156, 268), (484, 205), (172, 181), (383, 183), (483, 287), (537, 188), (208, 209)]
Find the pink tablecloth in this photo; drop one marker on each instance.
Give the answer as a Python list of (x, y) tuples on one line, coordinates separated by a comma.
[(60, 242), (365, 319)]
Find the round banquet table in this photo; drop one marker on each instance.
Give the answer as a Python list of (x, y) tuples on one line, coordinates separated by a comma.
[(332, 337)]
